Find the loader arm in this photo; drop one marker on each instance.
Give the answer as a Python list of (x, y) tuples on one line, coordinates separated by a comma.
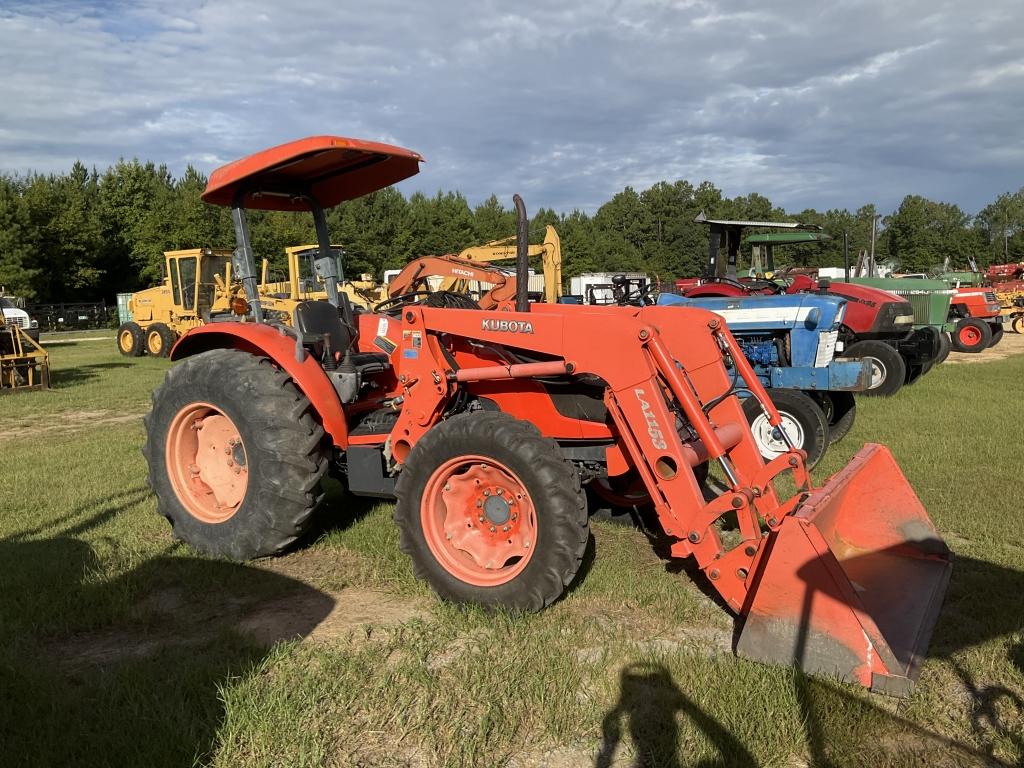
[(648, 392), (552, 261), (550, 252), (452, 269)]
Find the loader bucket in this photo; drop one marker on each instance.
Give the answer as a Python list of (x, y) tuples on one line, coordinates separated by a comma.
[(851, 582)]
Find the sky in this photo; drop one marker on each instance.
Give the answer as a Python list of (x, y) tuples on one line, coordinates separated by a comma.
[(823, 105)]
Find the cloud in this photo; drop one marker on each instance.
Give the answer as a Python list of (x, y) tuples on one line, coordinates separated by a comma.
[(809, 104)]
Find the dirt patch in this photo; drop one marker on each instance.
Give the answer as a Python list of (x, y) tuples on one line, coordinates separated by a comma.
[(65, 423), (457, 648), (353, 608), (706, 641), (1012, 344), (171, 619), (325, 568), (50, 342), (566, 757)]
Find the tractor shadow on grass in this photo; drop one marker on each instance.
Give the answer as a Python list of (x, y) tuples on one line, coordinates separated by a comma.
[(649, 704), (129, 668), (984, 602), (62, 378)]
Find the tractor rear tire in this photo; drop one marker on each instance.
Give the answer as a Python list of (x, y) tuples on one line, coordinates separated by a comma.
[(131, 340), (889, 369), (802, 418), (159, 340), (491, 512), (840, 409), (945, 345), (997, 334), (235, 455), (971, 335)]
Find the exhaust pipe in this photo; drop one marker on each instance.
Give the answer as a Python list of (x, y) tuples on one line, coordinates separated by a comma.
[(522, 256), (846, 255)]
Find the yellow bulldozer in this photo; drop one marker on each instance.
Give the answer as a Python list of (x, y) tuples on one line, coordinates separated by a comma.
[(199, 288)]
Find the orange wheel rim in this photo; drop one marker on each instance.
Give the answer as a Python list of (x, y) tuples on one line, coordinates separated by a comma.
[(479, 520), (126, 340), (155, 342), (969, 335), (207, 463)]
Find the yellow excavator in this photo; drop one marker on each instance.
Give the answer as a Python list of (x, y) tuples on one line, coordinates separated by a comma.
[(550, 252)]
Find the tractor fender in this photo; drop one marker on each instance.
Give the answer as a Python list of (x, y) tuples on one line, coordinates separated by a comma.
[(267, 341)]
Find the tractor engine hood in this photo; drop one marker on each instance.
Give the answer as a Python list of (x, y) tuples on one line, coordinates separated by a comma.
[(807, 311)]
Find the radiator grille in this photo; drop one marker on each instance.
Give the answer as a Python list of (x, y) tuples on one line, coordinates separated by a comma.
[(18, 320), (919, 302)]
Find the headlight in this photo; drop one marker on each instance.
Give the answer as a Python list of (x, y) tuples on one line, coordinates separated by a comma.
[(34, 324), (903, 320), (841, 314)]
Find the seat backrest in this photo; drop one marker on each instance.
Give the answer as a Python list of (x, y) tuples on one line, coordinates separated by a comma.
[(316, 318)]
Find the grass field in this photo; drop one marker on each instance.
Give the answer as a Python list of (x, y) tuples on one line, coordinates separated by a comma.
[(119, 647)]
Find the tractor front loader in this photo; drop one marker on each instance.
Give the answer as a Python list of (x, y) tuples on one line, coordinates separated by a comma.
[(485, 425)]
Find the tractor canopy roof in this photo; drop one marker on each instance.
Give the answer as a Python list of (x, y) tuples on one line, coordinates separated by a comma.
[(702, 219), (787, 238), (331, 169)]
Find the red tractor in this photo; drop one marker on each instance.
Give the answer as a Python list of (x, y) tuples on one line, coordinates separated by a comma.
[(486, 426), (978, 318), (877, 325)]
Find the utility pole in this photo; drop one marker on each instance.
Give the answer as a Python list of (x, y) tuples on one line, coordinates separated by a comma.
[(874, 232)]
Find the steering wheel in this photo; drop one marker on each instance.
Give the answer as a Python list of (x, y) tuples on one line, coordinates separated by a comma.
[(403, 300), (640, 297)]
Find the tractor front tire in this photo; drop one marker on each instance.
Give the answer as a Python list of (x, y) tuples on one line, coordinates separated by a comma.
[(971, 335), (131, 339), (888, 368), (235, 455), (1018, 324), (840, 409), (159, 340), (997, 334), (945, 345), (491, 512), (802, 418)]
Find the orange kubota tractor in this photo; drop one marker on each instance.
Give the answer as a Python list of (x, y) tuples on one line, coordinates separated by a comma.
[(486, 424)]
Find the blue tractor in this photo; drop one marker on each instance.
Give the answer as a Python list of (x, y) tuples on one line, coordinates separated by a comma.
[(791, 342)]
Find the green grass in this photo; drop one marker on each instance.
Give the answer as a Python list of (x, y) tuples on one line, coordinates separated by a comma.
[(120, 647)]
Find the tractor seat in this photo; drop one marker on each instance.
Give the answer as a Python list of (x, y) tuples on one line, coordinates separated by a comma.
[(316, 319)]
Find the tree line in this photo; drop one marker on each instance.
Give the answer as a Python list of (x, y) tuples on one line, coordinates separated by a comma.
[(85, 235)]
